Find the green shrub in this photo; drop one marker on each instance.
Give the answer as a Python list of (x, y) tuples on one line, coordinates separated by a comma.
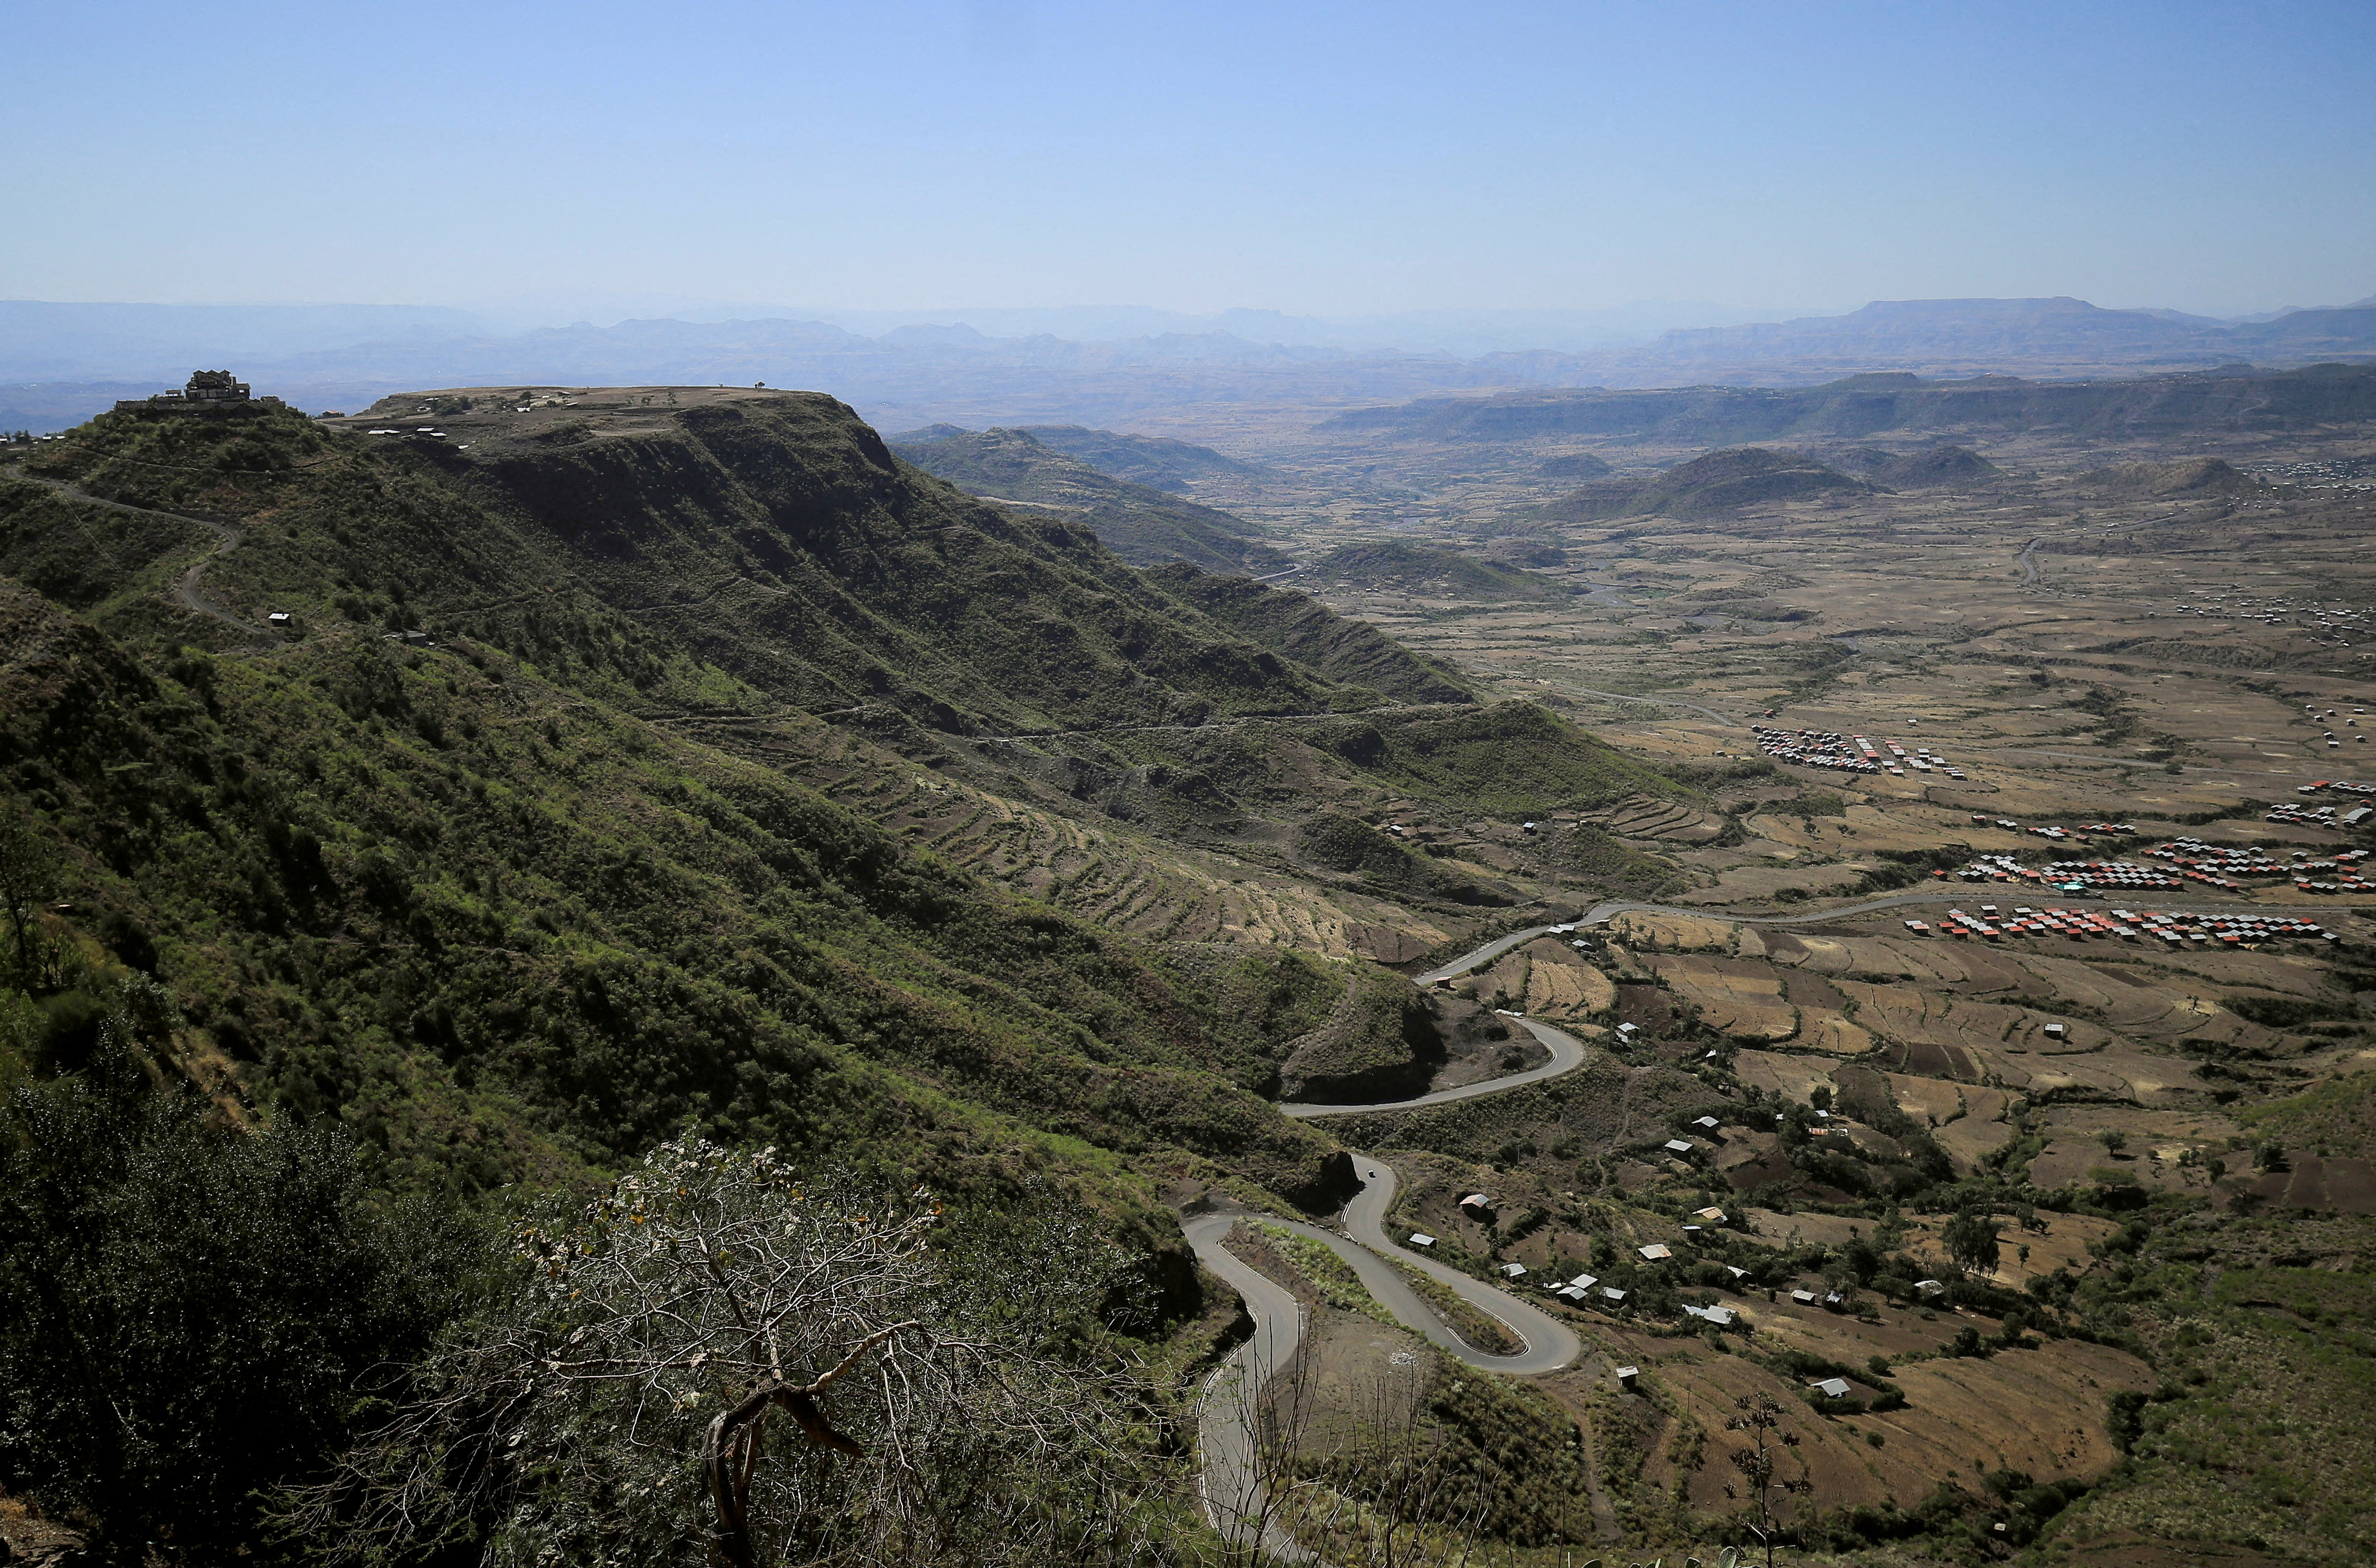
[(191, 1314)]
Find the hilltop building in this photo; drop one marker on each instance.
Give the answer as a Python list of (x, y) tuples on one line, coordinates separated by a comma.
[(208, 392)]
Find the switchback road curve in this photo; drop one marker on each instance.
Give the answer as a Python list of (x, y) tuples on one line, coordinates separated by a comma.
[(1567, 1055), (1230, 1478)]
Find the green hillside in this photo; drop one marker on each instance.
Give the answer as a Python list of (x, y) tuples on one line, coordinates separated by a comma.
[(472, 869), (511, 933), (1141, 525), (767, 549), (1298, 626), (478, 890)]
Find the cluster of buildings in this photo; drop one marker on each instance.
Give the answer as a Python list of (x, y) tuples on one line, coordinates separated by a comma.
[(2216, 863), (2339, 622), (209, 391), (1847, 753), (2068, 876), (2323, 817), (2175, 930), (1815, 748), (2060, 835)]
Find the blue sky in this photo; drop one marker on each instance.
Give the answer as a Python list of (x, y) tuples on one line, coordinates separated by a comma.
[(1326, 158)]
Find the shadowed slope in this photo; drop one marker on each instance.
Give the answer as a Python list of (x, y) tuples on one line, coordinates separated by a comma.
[(1141, 525)]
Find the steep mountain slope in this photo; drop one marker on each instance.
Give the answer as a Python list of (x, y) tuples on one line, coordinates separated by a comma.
[(513, 933), (1299, 627), (739, 563), (1141, 525), (768, 537)]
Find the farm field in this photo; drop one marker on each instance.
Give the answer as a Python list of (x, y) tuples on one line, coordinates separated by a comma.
[(2118, 642), (1956, 894)]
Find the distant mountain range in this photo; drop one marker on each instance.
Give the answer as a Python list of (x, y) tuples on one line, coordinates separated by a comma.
[(915, 374), (1854, 407)]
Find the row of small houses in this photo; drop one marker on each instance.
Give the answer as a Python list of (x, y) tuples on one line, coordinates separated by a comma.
[(2176, 930), (1587, 1290), (1847, 753)]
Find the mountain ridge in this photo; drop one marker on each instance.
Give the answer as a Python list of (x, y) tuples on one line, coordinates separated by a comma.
[(1141, 525), (917, 375)]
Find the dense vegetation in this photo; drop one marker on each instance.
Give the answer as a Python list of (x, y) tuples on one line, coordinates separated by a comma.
[(448, 918), (327, 949)]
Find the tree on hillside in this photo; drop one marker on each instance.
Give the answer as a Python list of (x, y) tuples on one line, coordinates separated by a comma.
[(27, 880), (1760, 1465), (186, 1308), (1971, 1241), (719, 1359)]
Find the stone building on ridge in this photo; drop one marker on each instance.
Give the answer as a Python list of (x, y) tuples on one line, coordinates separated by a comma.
[(210, 391)]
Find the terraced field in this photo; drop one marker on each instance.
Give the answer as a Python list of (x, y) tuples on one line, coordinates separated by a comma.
[(2080, 649)]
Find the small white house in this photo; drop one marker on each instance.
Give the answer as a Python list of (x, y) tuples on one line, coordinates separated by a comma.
[(1421, 1239), (1804, 1298), (1514, 1270), (1832, 1387), (1930, 1286), (1584, 1281), (1627, 1375), (1657, 1252), (1612, 1293), (1712, 1215), (1681, 1145), (281, 619)]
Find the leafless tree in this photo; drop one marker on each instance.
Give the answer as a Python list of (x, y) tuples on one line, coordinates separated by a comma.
[(1274, 1408), (718, 1360), (1760, 1464), (1393, 1481)]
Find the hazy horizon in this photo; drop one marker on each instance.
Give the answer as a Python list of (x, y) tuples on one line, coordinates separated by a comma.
[(923, 159)]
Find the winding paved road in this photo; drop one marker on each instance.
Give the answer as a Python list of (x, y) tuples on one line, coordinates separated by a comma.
[(1551, 1344), (1230, 1480), (1601, 913), (1230, 1477), (1567, 1055)]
